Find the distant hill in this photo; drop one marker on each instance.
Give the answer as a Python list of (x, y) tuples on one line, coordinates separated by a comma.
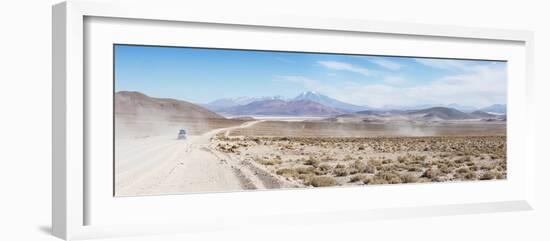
[(225, 103), (284, 108), (442, 113), (497, 108), (482, 114), (138, 104), (463, 108)]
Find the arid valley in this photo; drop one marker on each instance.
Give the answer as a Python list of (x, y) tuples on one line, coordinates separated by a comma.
[(301, 143)]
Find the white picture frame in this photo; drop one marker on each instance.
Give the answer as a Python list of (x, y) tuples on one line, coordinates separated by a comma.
[(72, 189)]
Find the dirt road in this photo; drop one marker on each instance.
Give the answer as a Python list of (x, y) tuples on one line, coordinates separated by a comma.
[(165, 165)]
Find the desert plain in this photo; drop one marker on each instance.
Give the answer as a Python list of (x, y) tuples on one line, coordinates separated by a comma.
[(250, 152)]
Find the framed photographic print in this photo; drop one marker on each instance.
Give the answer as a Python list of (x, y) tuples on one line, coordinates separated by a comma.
[(177, 121), (204, 120)]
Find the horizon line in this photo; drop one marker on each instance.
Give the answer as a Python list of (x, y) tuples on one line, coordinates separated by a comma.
[(397, 107)]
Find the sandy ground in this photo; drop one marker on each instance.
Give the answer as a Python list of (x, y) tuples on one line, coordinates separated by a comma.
[(162, 164), (234, 155)]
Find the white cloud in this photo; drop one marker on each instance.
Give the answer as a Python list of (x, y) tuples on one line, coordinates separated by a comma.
[(335, 65), (306, 82), (387, 64), (446, 64), (483, 85), (395, 80)]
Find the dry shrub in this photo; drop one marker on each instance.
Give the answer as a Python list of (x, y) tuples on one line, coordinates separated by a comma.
[(463, 170), (312, 161), (306, 178), (414, 169), (357, 167), (420, 158), (487, 166), (340, 172), (324, 167), (487, 176), (463, 159), (305, 170), (323, 181), (370, 169), (445, 169), (374, 162), (374, 181), (409, 178), (389, 176), (267, 162), (356, 178), (430, 173), (464, 173), (287, 172), (469, 176)]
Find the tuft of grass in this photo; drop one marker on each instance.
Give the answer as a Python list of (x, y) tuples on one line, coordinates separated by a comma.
[(370, 169), (306, 178), (374, 181), (487, 176), (374, 162), (305, 170), (340, 166), (409, 178), (356, 178), (357, 167), (268, 162), (287, 172), (470, 176), (463, 170), (487, 166), (430, 173), (323, 169), (414, 169), (312, 161), (389, 176), (463, 159), (274, 162), (323, 181), (445, 169), (340, 172)]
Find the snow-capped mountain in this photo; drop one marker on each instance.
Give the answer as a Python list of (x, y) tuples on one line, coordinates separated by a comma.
[(327, 101), (284, 108)]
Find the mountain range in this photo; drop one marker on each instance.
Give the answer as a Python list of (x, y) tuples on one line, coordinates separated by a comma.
[(325, 100), (433, 114), (277, 105), (224, 103), (280, 107), (141, 105)]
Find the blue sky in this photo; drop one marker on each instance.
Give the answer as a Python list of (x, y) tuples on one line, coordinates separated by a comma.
[(203, 75)]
